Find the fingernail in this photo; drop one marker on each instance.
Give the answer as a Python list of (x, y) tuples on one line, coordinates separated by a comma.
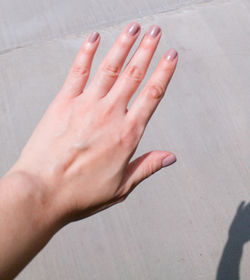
[(171, 54), (93, 37), (133, 28), (170, 159), (153, 31)]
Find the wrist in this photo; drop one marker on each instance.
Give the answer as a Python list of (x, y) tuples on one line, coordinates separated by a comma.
[(27, 193), (27, 222)]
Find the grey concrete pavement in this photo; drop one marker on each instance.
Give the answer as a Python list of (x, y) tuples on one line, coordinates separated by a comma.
[(175, 224), (26, 22)]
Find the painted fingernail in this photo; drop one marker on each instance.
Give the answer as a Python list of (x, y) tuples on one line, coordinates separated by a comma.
[(133, 28), (171, 54), (153, 31), (93, 37), (170, 159)]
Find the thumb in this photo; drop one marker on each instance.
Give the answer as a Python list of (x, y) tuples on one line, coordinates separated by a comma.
[(146, 165)]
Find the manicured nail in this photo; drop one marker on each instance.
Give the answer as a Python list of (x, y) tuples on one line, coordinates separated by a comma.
[(153, 31), (93, 37), (171, 54), (133, 28), (170, 159)]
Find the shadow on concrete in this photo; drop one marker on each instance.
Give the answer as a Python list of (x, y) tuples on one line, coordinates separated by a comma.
[(239, 234)]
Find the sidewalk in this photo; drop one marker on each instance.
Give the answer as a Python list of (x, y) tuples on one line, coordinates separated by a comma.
[(175, 225)]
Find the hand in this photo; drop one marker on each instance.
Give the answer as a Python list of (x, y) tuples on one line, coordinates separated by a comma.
[(80, 151), (240, 228)]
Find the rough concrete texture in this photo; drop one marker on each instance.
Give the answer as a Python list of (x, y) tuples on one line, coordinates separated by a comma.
[(175, 225)]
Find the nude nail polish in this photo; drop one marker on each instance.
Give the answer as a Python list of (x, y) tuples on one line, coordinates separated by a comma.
[(170, 159), (133, 28), (93, 37), (153, 31), (171, 54)]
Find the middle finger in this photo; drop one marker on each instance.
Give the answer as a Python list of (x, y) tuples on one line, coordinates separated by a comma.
[(111, 65)]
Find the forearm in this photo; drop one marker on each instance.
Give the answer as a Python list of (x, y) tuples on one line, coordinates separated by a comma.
[(26, 223), (229, 266)]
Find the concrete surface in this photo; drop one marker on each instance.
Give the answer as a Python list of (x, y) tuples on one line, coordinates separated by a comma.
[(176, 224), (25, 22)]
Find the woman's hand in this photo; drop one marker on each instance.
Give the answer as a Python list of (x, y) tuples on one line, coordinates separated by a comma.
[(80, 151)]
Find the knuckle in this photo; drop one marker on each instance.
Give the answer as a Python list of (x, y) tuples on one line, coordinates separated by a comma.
[(107, 108), (86, 48), (156, 91), (123, 41), (137, 126), (152, 168), (80, 70), (129, 135), (135, 73), (125, 138), (110, 70), (106, 114)]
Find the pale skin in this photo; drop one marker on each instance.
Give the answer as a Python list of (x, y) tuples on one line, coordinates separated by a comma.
[(77, 161)]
